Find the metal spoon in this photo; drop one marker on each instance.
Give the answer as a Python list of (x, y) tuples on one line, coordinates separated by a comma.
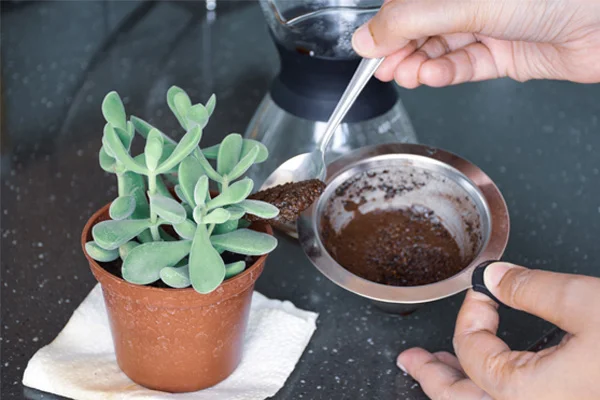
[(309, 166)]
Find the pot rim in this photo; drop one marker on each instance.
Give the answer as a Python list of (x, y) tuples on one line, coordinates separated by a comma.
[(225, 290), (481, 186)]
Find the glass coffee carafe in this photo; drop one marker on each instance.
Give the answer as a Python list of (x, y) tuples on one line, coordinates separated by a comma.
[(313, 39)]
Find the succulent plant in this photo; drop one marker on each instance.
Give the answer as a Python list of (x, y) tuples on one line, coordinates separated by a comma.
[(178, 238)]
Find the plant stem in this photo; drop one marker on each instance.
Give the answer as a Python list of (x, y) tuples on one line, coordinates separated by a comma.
[(153, 215), (121, 189), (210, 229)]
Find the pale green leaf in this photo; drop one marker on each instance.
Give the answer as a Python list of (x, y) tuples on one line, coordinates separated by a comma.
[(114, 111), (189, 172), (186, 145), (144, 128), (210, 104), (182, 104), (250, 144), (225, 227), (124, 249), (242, 166), (122, 207), (143, 263), (164, 235), (107, 163), (171, 94), (185, 229), (111, 234), (217, 216), (167, 208), (207, 269), (120, 153), (176, 277), (124, 136), (245, 241), (198, 215), (208, 169), (161, 188), (229, 153), (233, 194), (201, 190), (243, 223), (211, 152), (261, 209), (134, 185), (235, 212), (198, 115), (100, 254), (153, 150), (180, 195), (234, 269)]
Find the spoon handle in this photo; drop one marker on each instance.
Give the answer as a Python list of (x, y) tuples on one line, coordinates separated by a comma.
[(364, 72)]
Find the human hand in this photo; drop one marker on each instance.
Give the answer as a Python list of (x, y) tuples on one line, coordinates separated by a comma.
[(445, 42), (487, 369)]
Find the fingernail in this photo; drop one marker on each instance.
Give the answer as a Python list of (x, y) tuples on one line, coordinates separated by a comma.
[(494, 274), (399, 364), (362, 40)]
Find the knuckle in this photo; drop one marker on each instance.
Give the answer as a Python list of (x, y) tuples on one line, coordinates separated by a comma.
[(518, 284)]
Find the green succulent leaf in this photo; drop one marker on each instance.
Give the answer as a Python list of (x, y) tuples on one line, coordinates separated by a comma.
[(180, 195), (100, 254), (114, 111), (259, 208), (107, 163), (243, 223), (161, 188), (198, 215), (207, 269), (225, 227), (229, 153), (164, 235), (233, 194), (144, 128), (234, 269), (124, 249), (217, 216), (167, 208), (144, 263), (122, 207), (111, 234), (250, 144), (242, 166), (120, 152), (130, 131), (208, 169), (197, 115), (245, 241), (201, 191), (210, 104), (211, 152), (153, 150), (235, 212), (176, 277), (145, 237), (124, 136), (185, 229), (176, 105), (134, 185), (186, 145), (189, 172), (183, 105)]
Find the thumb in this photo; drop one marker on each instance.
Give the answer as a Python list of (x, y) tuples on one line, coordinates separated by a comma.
[(400, 21), (562, 299)]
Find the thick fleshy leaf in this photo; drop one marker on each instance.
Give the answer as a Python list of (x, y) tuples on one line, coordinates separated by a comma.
[(183, 105), (130, 130), (153, 150), (259, 208), (100, 254), (166, 236), (217, 216), (161, 188), (111, 234), (198, 215), (120, 153), (229, 153), (167, 208), (185, 229), (245, 241), (176, 277), (235, 212), (114, 111), (186, 145), (242, 166), (210, 104), (250, 144), (144, 128), (207, 269), (171, 93), (122, 207), (244, 223), (124, 136), (145, 237), (134, 185), (180, 195), (208, 169), (189, 172), (233, 194), (107, 163), (201, 191), (225, 227), (211, 152), (197, 115), (234, 268), (143, 263), (124, 249)]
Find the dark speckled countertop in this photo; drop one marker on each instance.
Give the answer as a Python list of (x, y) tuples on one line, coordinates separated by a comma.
[(538, 141)]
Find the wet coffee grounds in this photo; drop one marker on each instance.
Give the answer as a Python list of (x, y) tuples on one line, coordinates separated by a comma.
[(406, 247), (291, 199)]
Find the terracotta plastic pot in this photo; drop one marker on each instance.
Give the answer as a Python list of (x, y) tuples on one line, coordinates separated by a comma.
[(176, 340)]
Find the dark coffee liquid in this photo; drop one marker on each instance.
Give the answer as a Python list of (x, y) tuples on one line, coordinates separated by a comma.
[(407, 247)]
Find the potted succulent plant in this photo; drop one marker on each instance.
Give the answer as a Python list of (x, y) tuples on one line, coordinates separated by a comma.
[(177, 262)]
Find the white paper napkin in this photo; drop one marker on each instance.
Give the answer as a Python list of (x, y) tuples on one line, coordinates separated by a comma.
[(80, 363)]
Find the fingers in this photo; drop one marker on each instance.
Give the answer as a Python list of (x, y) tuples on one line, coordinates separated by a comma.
[(449, 359), (483, 356), (438, 379), (562, 299)]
